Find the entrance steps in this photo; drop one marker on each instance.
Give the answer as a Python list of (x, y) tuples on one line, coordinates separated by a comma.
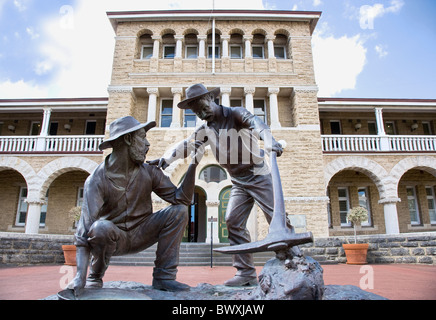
[(191, 254)]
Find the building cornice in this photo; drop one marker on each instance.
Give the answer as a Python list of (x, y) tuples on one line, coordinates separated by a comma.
[(268, 15)]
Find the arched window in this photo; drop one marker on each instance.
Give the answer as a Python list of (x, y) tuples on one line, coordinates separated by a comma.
[(213, 174)]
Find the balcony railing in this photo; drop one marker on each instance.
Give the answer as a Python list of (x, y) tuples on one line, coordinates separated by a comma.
[(371, 143), (51, 144)]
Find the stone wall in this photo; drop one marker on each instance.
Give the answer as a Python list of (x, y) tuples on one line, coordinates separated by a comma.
[(23, 250), (416, 248), (413, 248)]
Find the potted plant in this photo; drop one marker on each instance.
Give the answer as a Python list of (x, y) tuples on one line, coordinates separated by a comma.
[(356, 253), (70, 250)]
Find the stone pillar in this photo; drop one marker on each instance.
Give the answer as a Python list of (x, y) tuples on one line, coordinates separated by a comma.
[(179, 42), (225, 96), (248, 54), (270, 42), (201, 46), (274, 107), (225, 46), (304, 102), (247, 40), (391, 215), (272, 61), (201, 61), (33, 215), (152, 103), (177, 97), (154, 61), (249, 104), (178, 55), (156, 46)]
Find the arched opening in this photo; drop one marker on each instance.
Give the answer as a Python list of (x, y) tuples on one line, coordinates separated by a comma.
[(13, 193), (65, 193), (196, 228), (417, 209), (258, 46), (348, 189), (281, 47), (144, 49)]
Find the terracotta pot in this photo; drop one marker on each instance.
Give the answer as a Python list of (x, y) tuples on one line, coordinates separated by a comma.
[(356, 253), (69, 254)]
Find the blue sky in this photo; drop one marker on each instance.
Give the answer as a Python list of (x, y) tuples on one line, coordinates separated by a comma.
[(362, 48)]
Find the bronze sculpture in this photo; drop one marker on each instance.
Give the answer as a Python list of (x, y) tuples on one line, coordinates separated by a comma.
[(117, 215), (233, 135)]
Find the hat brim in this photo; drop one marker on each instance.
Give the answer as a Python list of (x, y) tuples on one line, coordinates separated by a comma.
[(185, 103), (108, 143)]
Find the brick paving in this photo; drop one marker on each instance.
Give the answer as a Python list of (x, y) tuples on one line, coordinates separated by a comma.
[(393, 281)]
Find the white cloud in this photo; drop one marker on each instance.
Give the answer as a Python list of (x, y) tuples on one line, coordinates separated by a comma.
[(317, 3), (381, 51), (31, 32), (21, 5), (77, 45), (22, 89), (338, 62), (367, 13)]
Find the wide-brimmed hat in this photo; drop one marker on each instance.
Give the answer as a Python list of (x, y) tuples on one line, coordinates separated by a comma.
[(194, 92), (124, 126)]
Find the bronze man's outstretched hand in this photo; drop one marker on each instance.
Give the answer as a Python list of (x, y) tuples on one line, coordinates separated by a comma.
[(160, 163)]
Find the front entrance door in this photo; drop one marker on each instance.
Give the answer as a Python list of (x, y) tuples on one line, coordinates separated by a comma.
[(222, 226)]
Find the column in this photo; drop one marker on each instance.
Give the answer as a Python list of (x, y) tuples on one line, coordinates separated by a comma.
[(270, 42), (225, 58), (391, 215), (274, 107), (272, 61), (201, 46), (154, 61), (379, 120), (225, 46), (384, 139), (40, 143), (156, 46), (45, 122), (177, 97), (152, 103), (179, 40), (225, 96), (248, 40), (33, 216), (249, 104)]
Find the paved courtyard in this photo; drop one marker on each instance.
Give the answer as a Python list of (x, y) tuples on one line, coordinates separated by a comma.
[(395, 282)]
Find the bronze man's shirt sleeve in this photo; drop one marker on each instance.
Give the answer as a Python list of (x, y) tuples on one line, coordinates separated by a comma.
[(166, 190)]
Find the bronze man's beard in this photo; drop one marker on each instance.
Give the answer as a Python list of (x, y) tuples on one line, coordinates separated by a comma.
[(137, 155)]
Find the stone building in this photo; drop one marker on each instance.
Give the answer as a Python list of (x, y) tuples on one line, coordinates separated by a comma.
[(340, 153)]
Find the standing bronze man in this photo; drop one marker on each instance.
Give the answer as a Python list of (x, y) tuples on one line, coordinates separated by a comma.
[(117, 215), (233, 135)]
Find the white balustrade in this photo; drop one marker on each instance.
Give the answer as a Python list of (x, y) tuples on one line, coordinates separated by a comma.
[(412, 143), (351, 143), (23, 144), (55, 144), (371, 143)]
